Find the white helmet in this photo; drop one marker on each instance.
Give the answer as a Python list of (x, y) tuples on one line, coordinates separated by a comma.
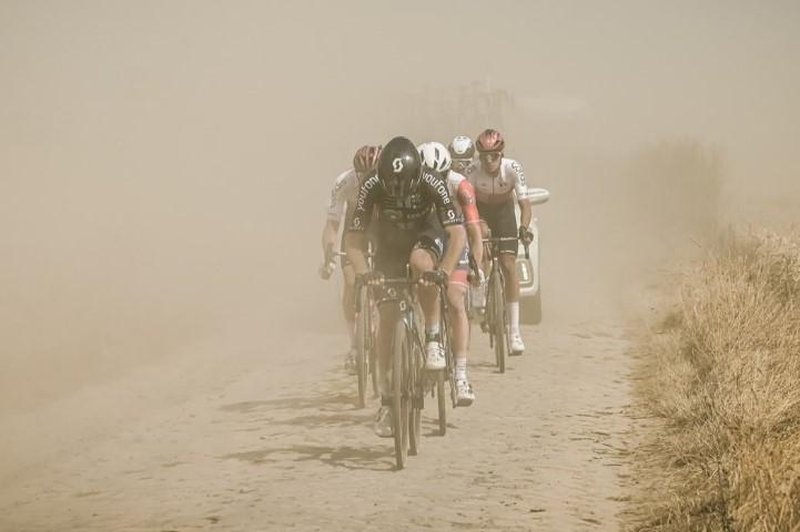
[(435, 156), (462, 147)]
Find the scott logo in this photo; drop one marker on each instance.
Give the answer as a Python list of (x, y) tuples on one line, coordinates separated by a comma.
[(397, 165)]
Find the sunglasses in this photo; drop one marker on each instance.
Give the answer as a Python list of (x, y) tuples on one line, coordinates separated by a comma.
[(490, 157)]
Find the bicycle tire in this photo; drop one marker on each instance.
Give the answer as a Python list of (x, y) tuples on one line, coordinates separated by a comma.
[(417, 394), (362, 347), (499, 322), (400, 398)]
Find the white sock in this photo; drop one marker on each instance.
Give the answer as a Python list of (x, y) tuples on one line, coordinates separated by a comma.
[(513, 316), (461, 368), (432, 330)]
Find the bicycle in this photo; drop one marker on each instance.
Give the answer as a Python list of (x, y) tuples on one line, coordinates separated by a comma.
[(364, 332), (407, 363), (495, 316)]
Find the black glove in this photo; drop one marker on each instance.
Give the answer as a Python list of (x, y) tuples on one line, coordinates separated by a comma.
[(437, 277), (525, 235), (369, 278)]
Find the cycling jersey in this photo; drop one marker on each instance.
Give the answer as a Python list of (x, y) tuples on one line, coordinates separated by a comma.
[(404, 224), (344, 192), (405, 214), (500, 189), (464, 193)]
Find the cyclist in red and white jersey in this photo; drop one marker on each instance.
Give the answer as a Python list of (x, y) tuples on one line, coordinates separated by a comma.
[(498, 182), (343, 197), (436, 157)]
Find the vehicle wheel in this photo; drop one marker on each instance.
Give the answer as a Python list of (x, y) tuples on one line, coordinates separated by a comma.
[(531, 309)]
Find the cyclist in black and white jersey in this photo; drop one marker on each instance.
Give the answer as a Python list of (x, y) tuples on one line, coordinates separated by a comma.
[(343, 196), (498, 182), (408, 201)]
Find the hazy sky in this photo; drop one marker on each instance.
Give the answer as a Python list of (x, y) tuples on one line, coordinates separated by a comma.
[(160, 160)]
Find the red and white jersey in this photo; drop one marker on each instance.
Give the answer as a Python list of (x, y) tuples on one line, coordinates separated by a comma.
[(500, 189), (464, 193), (344, 192)]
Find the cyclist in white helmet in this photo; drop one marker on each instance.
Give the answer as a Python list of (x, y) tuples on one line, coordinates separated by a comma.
[(436, 157)]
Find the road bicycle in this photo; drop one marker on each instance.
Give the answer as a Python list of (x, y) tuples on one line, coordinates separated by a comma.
[(397, 297), (495, 315)]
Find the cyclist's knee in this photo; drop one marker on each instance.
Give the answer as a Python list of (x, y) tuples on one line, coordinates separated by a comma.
[(421, 260)]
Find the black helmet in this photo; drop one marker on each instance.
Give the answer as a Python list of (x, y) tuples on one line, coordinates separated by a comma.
[(399, 167)]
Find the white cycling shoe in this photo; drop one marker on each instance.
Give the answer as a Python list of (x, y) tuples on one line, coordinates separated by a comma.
[(434, 356), (384, 427), (515, 345), (464, 394)]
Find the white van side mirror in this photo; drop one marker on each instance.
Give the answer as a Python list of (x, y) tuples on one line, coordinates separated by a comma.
[(537, 196)]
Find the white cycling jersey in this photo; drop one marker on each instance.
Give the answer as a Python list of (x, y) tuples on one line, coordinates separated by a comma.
[(344, 192), (500, 189)]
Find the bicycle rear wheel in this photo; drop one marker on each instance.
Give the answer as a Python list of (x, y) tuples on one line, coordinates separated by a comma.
[(363, 341), (500, 338), (400, 398), (442, 401)]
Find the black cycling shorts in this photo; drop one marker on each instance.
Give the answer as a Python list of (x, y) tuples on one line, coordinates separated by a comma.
[(502, 221), (395, 247)]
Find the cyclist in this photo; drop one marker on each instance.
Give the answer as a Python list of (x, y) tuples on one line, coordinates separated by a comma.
[(497, 180), (407, 200), (436, 157), (462, 152), (343, 197)]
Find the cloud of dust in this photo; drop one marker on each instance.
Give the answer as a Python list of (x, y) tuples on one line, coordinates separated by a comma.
[(164, 167)]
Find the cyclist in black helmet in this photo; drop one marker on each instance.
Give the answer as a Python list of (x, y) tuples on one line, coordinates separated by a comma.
[(414, 215)]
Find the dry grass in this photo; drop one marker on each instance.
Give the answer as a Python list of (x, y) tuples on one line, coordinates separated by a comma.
[(722, 378)]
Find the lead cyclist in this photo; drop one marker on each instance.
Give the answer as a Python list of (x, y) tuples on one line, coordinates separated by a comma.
[(436, 157), (343, 197)]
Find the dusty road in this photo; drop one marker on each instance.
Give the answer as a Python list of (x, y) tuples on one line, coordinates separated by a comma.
[(228, 441)]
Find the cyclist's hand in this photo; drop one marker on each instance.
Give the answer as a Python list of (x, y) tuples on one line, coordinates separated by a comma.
[(525, 235), (326, 270), (369, 279), (435, 277)]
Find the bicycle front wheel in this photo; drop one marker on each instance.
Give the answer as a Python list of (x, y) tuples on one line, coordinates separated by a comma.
[(499, 323), (363, 341), (400, 397)]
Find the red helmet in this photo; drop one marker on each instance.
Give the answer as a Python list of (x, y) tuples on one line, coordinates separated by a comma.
[(366, 158), (490, 140)]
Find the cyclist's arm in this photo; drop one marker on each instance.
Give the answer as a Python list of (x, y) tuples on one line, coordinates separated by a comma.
[(521, 190), (329, 233), (450, 220), (472, 220), (355, 241)]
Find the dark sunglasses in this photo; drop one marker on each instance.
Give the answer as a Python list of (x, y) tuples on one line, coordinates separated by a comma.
[(489, 157)]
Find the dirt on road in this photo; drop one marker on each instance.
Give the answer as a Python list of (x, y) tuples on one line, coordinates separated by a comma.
[(236, 443)]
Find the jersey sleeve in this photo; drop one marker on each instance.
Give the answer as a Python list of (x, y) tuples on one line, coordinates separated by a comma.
[(520, 185), (364, 204), (442, 201), (466, 198), (338, 197)]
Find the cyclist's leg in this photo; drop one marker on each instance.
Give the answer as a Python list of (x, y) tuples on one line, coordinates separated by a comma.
[(425, 257), (459, 323), (507, 227)]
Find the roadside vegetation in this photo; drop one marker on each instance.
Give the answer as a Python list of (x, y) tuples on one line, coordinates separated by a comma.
[(720, 380)]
